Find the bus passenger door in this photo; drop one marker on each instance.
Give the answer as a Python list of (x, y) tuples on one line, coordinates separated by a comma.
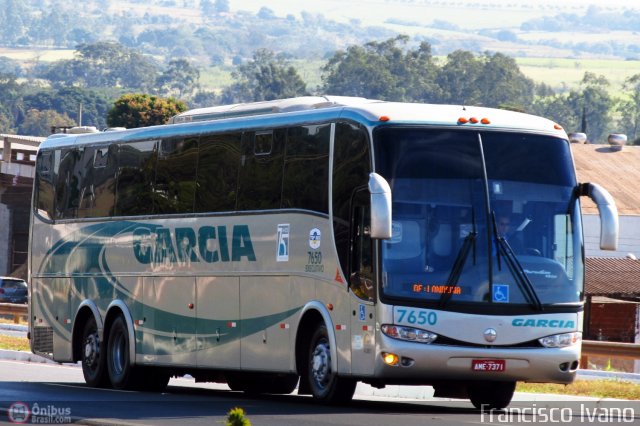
[(218, 322), (362, 289)]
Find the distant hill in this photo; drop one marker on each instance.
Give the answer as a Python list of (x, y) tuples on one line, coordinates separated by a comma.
[(215, 32)]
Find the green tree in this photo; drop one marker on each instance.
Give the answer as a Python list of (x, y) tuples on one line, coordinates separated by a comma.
[(139, 110), (629, 108), (457, 78), (71, 101), (104, 64), (179, 79), (593, 104), (39, 123), (503, 85), (383, 70), (264, 78)]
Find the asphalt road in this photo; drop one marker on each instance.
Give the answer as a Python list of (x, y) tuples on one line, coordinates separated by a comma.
[(58, 393)]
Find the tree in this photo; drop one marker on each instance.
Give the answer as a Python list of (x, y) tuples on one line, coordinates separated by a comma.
[(629, 108), (71, 101), (140, 110), (502, 84), (264, 78), (457, 78), (593, 104), (39, 123), (104, 64), (383, 70), (180, 79)]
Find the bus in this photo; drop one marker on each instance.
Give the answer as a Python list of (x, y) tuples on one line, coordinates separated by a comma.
[(313, 243)]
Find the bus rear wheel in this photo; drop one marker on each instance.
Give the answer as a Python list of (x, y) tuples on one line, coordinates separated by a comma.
[(94, 367), (324, 383), (491, 395), (121, 373)]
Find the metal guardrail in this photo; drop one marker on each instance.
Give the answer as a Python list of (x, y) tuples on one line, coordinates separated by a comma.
[(610, 349), (15, 309)]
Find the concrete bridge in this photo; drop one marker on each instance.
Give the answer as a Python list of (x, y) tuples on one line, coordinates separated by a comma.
[(17, 169)]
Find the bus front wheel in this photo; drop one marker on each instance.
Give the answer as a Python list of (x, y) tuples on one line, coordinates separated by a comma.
[(491, 395), (94, 367), (325, 384)]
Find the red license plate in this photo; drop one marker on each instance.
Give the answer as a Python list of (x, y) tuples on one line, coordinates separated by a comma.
[(488, 365)]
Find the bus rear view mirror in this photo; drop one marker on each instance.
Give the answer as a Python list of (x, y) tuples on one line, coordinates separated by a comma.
[(608, 214), (380, 207)]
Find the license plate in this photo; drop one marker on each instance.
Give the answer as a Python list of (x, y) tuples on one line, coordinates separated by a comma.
[(488, 365)]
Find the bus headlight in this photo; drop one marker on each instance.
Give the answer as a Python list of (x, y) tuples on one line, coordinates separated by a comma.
[(561, 340), (410, 334)]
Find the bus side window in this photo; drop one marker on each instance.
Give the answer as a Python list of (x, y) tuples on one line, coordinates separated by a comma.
[(174, 188), (361, 279), (260, 177), (306, 168), (45, 192), (217, 175), (136, 168), (68, 184)]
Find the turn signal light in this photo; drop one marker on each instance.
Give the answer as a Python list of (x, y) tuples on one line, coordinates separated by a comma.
[(390, 359)]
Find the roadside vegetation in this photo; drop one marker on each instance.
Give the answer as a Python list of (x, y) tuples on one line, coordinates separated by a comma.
[(14, 343), (605, 388)]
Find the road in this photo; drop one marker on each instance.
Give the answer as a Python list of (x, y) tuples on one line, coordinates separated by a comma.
[(60, 389)]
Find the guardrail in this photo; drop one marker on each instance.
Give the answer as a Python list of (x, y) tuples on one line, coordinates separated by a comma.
[(610, 349), (15, 309)]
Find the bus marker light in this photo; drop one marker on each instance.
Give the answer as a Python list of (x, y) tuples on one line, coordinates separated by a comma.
[(474, 120), (462, 120), (384, 118), (67, 321), (139, 322), (557, 127), (390, 359), (231, 324), (190, 305), (367, 328), (341, 327), (284, 326), (330, 306), (485, 121)]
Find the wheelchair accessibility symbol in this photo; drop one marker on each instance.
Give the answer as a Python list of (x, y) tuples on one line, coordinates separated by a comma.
[(500, 293)]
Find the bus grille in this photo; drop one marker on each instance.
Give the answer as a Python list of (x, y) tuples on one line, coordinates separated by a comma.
[(43, 340)]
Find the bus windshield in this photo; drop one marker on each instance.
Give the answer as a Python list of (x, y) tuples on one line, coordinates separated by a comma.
[(480, 218)]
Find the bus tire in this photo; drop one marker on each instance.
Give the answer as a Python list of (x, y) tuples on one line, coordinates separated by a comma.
[(122, 374), (94, 367), (491, 395), (325, 385)]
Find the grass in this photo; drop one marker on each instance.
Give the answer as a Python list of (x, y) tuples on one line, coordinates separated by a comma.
[(14, 343), (618, 389)]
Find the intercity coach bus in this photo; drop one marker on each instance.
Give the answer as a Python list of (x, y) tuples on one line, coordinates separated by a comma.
[(314, 243)]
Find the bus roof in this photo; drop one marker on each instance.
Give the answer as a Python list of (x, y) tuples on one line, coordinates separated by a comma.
[(320, 108)]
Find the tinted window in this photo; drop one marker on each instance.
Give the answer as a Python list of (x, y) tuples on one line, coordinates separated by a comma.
[(103, 181), (306, 168), (217, 182), (260, 184), (175, 183), (68, 184), (136, 170), (45, 193), (351, 168)]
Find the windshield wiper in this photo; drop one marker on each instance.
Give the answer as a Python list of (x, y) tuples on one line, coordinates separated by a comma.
[(523, 281), (458, 265)]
